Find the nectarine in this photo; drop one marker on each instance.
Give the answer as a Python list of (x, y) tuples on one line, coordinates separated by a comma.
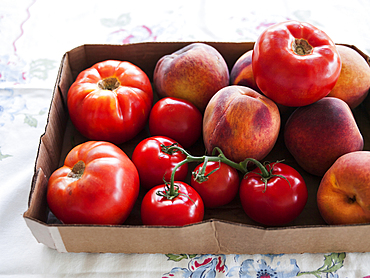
[(317, 134)]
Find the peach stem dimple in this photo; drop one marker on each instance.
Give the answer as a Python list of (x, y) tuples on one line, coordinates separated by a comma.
[(352, 200)]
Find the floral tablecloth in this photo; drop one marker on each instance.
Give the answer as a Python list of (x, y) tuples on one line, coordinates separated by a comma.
[(34, 34)]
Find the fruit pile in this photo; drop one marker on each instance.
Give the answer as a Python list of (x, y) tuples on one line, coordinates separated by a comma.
[(236, 115)]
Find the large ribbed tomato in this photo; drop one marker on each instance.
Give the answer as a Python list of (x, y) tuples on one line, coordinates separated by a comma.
[(98, 184), (295, 64), (110, 101)]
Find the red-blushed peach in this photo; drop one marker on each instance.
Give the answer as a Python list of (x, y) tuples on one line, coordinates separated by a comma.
[(317, 134), (242, 72), (343, 196), (194, 73), (354, 80), (241, 122)]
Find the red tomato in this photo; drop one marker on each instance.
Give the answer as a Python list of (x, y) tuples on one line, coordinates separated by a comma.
[(98, 184), (186, 208), (279, 201), (295, 63), (110, 101), (176, 118), (220, 187), (154, 162)]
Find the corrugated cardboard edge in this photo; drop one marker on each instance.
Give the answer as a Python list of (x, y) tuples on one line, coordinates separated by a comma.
[(50, 236), (233, 239)]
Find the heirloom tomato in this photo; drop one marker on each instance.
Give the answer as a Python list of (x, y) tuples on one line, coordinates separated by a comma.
[(217, 183), (181, 207), (275, 196), (98, 184), (176, 118), (155, 162), (110, 101), (295, 64)]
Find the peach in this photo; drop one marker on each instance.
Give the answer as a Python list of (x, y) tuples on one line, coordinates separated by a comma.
[(343, 196), (354, 80), (241, 122), (194, 73), (242, 72), (317, 134)]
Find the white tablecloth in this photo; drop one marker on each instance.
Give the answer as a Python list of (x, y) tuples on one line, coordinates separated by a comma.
[(34, 34)]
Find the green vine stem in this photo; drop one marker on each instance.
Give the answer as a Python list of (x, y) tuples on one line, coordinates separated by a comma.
[(172, 191), (200, 175)]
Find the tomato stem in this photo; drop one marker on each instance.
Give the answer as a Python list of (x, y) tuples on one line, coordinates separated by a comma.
[(168, 150), (265, 174), (77, 170), (172, 191), (200, 176), (190, 158), (110, 83), (301, 47)]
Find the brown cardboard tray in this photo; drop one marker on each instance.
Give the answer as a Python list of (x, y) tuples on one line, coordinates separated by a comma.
[(225, 230)]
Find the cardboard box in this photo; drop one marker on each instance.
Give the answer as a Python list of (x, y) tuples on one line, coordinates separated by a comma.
[(225, 230)]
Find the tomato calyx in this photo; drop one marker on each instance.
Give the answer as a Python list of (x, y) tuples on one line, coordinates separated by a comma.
[(110, 83), (266, 174), (169, 150), (77, 170), (171, 191), (301, 47), (168, 193), (199, 176)]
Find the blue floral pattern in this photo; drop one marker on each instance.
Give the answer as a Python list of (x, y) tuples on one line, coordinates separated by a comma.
[(11, 72), (272, 266), (251, 266), (11, 104)]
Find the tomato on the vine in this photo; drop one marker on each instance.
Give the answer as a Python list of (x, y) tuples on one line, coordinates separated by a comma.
[(155, 162), (110, 101), (181, 207), (98, 184), (217, 183), (176, 118), (295, 64), (275, 196)]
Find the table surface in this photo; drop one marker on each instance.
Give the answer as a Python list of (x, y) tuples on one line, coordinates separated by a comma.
[(34, 34)]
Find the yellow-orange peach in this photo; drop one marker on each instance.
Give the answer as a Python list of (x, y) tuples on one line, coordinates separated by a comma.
[(343, 196), (354, 80)]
